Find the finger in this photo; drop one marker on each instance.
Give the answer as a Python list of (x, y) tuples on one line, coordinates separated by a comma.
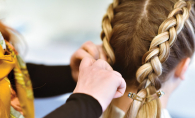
[(92, 49), (86, 62), (102, 52), (76, 60), (102, 64), (80, 54), (77, 57), (121, 89)]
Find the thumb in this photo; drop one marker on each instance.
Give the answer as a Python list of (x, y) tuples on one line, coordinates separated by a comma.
[(121, 88), (86, 62)]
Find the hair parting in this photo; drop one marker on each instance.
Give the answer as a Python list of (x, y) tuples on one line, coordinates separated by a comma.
[(144, 41)]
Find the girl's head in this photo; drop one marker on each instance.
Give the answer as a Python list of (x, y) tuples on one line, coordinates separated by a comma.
[(145, 41)]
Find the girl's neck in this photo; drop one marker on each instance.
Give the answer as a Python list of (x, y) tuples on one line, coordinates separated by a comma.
[(124, 102)]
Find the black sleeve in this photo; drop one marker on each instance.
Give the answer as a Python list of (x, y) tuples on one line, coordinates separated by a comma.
[(78, 106), (50, 81)]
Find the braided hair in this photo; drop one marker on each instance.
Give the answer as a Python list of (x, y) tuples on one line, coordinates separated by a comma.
[(106, 33), (144, 41)]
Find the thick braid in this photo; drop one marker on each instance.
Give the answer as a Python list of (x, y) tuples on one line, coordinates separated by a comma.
[(106, 35), (107, 31), (159, 49)]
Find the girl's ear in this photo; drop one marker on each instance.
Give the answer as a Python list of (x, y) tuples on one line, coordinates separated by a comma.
[(181, 68)]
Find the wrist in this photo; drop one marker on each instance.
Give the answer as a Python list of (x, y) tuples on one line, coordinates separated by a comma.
[(91, 98), (100, 100)]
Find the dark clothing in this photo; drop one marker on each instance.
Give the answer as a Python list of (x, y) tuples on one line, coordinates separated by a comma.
[(78, 106), (50, 81)]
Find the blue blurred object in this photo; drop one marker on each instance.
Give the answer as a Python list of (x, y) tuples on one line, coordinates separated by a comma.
[(44, 106)]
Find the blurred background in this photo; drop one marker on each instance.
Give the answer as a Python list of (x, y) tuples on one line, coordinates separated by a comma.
[(54, 29)]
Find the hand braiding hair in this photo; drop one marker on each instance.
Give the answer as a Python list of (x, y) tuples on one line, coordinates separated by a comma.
[(159, 50), (107, 31)]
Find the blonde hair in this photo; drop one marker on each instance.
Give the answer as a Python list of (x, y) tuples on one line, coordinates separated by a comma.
[(127, 43)]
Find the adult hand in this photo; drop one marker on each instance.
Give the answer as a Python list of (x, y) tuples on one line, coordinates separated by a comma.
[(88, 49), (97, 78)]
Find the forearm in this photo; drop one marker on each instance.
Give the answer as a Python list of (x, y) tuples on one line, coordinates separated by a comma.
[(50, 80), (78, 106)]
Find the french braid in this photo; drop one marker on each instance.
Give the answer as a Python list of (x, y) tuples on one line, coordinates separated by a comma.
[(159, 50), (148, 74), (106, 33), (122, 29)]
